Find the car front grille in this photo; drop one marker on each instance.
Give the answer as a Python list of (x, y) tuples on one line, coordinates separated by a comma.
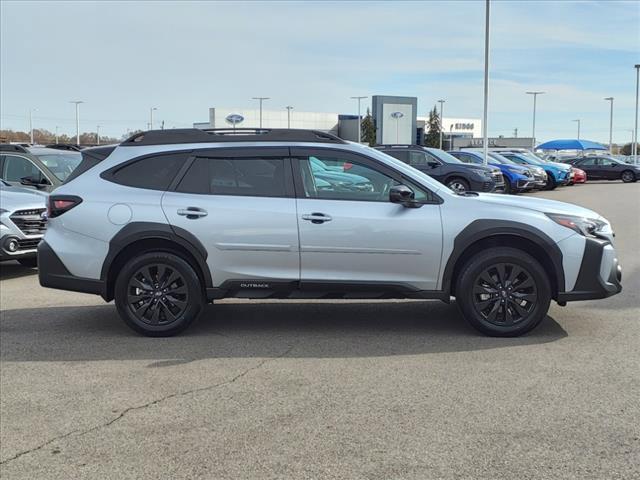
[(30, 222)]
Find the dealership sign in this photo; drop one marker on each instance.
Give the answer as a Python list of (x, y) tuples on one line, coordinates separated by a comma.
[(234, 119)]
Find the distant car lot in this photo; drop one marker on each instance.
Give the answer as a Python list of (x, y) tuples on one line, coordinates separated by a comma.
[(293, 390)]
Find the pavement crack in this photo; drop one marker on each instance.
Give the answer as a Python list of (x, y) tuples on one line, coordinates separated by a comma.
[(126, 411)]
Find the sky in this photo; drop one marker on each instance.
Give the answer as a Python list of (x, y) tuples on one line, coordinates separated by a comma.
[(122, 58)]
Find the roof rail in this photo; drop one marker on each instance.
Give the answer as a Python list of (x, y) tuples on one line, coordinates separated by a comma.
[(63, 146), (214, 135), (11, 147)]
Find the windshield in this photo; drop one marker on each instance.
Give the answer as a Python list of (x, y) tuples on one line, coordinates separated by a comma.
[(443, 156), (519, 158), (500, 159), (61, 164)]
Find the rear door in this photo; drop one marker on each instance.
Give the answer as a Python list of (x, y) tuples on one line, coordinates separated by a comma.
[(590, 166), (240, 204), (351, 233)]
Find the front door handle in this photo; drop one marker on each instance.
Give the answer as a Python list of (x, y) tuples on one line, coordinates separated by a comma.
[(192, 213), (317, 217)]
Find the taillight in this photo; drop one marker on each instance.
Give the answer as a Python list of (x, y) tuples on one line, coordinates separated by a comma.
[(347, 166), (59, 204)]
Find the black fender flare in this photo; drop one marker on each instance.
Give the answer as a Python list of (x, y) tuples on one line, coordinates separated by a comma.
[(136, 231), (486, 228)]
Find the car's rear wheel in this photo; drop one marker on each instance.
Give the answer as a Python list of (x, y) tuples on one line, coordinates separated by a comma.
[(628, 176), (503, 292), (158, 294), (458, 185), (551, 182), (30, 262)]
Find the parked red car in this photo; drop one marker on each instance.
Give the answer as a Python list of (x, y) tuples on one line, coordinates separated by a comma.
[(577, 176)]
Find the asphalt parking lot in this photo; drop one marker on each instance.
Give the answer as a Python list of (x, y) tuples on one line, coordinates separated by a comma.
[(358, 390)]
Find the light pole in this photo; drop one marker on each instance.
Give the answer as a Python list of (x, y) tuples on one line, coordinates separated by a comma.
[(610, 99), (441, 102), (533, 133), (289, 108), (260, 99), (31, 110), (56, 134), (485, 135), (77, 103), (151, 110), (577, 120), (634, 145), (98, 135), (359, 119)]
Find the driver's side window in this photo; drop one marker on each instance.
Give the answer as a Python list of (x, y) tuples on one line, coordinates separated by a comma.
[(17, 168)]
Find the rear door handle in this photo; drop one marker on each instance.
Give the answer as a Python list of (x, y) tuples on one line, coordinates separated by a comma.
[(192, 212), (317, 217)]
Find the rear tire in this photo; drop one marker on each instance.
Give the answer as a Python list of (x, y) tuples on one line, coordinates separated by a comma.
[(31, 262), (503, 292), (628, 176), (458, 185), (158, 294)]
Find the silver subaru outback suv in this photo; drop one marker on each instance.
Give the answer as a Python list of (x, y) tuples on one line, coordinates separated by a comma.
[(170, 220)]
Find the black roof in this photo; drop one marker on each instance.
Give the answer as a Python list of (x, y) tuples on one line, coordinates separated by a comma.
[(196, 135), (10, 147)]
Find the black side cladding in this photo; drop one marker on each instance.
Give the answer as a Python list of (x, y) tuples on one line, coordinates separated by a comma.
[(90, 158)]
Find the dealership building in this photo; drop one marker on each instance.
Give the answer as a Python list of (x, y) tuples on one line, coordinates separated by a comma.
[(396, 119)]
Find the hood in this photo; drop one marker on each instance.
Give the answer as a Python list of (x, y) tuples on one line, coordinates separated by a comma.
[(473, 166), (21, 199), (538, 204)]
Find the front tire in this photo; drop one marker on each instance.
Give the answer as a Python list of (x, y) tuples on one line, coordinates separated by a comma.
[(503, 292), (551, 182), (628, 176), (458, 185), (158, 294)]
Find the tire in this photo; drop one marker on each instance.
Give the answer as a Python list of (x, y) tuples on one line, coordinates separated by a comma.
[(458, 185), (551, 182), (507, 187), (628, 176), (499, 315), (150, 309), (30, 262)]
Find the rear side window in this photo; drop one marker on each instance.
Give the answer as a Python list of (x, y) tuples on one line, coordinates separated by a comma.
[(154, 173), (258, 177)]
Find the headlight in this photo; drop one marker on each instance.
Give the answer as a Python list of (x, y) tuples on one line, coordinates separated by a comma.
[(582, 225)]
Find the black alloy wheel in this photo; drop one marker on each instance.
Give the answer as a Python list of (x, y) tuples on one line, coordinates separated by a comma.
[(157, 294), (627, 176), (504, 294)]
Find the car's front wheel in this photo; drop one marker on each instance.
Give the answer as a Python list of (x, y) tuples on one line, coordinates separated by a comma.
[(158, 294), (551, 182), (628, 176), (458, 185), (503, 292)]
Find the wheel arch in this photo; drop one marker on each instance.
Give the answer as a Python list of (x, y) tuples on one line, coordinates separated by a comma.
[(483, 234), (141, 237)]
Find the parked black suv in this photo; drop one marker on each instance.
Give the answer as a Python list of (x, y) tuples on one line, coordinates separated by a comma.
[(445, 168)]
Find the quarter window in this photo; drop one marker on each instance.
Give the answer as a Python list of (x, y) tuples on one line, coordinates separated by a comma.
[(260, 177), (154, 173)]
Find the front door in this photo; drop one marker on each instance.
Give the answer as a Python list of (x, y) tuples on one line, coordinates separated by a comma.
[(240, 205), (351, 233)]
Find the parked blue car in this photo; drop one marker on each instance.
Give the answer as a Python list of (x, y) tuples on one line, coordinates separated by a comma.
[(557, 173), (517, 178)]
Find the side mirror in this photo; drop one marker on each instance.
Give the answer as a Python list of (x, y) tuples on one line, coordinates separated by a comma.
[(34, 182), (404, 196), (433, 164)]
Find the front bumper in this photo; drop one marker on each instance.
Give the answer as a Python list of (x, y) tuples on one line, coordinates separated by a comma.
[(53, 274), (600, 273), (14, 247)]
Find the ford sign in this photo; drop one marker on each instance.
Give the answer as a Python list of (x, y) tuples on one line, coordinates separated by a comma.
[(397, 115), (234, 119)]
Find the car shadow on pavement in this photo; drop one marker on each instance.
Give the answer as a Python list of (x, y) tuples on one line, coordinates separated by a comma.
[(254, 329), (15, 270)]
